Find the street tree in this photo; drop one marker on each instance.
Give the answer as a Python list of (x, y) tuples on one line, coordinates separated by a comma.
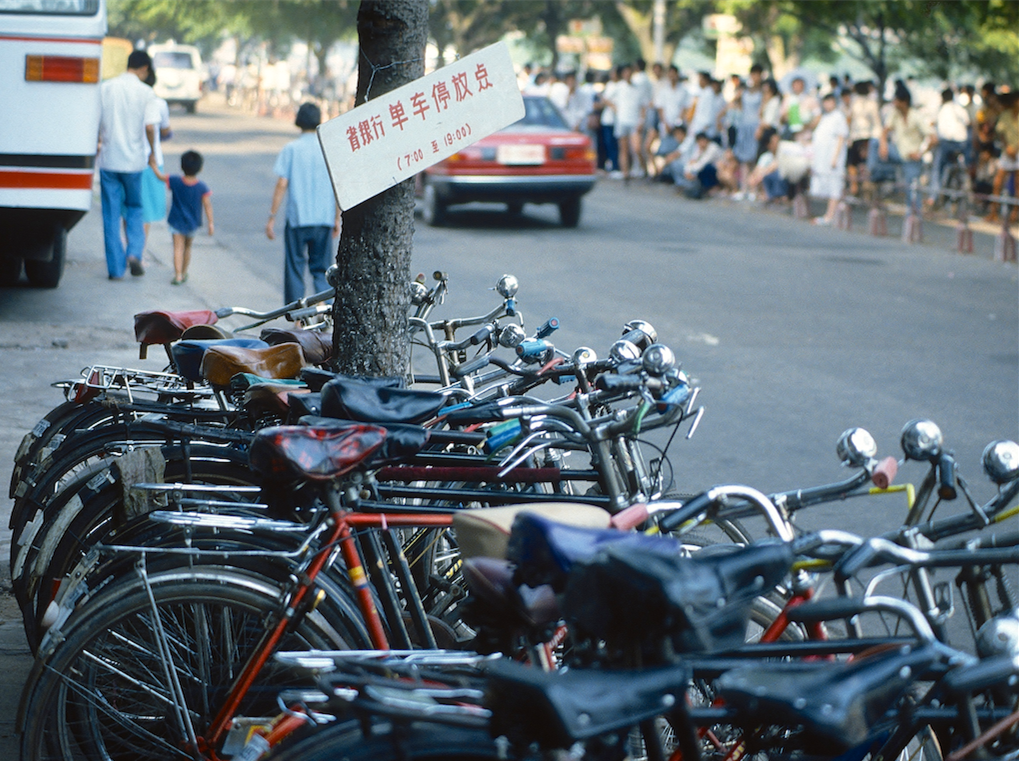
[(682, 18), (373, 262), (949, 38)]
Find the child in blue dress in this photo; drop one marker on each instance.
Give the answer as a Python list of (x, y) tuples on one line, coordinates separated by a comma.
[(190, 196)]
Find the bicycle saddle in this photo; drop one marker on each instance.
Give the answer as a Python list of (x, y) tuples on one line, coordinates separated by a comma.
[(545, 550), (558, 708), (317, 346), (348, 399), (161, 327), (317, 377), (222, 361), (501, 604), (316, 453), (187, 355), (837, 703), (644, 594), (485, 531), (402, 441)]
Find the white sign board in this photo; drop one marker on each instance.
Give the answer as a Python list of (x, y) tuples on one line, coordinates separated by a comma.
[(394, 136)]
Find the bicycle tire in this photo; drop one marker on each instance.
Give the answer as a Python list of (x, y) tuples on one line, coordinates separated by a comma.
[(83, 513), (35, 447), (384, 741), (99, 690)]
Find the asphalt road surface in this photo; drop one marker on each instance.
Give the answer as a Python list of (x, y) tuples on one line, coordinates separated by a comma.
[(794, 332)]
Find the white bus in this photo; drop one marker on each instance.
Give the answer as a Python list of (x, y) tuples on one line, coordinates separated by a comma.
[(50, 55)]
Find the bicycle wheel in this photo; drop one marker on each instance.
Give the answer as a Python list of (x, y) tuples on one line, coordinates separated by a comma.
[(92, 505), (383, 742), (104, 688)]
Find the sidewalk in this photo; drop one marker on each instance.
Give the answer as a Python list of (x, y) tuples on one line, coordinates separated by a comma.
[(49, 335)]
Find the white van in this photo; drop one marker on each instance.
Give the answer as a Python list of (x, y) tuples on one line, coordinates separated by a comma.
[(179, 74)]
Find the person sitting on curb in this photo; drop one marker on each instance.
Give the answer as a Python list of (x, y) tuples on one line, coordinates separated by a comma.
[(700, 174)]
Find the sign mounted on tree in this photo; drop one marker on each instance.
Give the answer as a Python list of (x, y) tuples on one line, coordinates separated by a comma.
[(394, 136)]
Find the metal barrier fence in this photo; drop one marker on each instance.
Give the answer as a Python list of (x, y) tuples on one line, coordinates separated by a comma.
[(912, 226)]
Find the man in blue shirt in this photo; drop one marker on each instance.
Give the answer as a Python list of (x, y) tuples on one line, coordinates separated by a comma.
[(312, 216)]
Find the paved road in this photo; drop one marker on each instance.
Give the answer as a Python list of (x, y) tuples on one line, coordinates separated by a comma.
[(794, 332)]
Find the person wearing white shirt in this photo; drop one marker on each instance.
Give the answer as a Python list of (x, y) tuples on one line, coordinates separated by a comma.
[(127, 120), (700, 174), (707, 106), (153, 188), (626, 104), (951, 127), (671, 101)]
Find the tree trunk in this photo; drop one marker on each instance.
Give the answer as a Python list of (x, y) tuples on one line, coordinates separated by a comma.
[(373, 261)]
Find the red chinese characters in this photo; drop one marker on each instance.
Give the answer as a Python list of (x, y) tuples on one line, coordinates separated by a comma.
[(373, 128)]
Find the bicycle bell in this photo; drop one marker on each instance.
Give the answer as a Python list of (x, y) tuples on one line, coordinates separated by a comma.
[(640, 333), (584, 356), (418, 292), (333, 276), (856, 447), (624, 351), (511, 335), (921, 440), (1001, 461), (507, 286), (658, 359)]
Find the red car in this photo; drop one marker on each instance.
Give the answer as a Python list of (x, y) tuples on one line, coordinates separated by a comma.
[(535, 160)]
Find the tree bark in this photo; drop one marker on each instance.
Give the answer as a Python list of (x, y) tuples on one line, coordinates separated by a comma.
[(373, 260)]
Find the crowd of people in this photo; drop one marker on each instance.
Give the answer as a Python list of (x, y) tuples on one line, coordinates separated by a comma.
[(756, 138)]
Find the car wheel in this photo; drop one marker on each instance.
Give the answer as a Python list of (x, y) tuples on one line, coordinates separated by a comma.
[(569, 212), (433, 210), (46, 274), (10, 271), (191, 107), (515, 207)]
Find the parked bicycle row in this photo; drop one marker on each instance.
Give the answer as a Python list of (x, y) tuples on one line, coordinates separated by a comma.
[(174, 531)]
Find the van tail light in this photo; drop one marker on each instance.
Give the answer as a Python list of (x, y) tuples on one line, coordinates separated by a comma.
[(56, 68)]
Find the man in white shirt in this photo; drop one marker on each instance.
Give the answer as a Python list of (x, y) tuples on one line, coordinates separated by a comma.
[(672, 101), (130, 113), (700, 174), (706, 108), (952, 130)]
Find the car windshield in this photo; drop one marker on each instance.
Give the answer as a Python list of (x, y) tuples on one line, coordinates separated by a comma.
[(172, 61), (539, 112), (55, 7)]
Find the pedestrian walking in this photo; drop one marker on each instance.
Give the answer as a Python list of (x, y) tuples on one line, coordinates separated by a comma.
[(190, 197), (311, 213), (154, 188), (129, 115)]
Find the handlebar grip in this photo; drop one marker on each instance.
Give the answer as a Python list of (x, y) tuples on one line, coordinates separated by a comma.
[(690, 509), (613, 382), (980, 676), (946, 477), (533, 349), (825, 610), (482, 335), (855, 560), (501, 435), (482, 413), (885, 472), (468, 368), (547, 328)]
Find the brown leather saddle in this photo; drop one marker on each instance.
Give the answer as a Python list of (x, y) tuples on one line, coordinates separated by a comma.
[(221, 363)]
